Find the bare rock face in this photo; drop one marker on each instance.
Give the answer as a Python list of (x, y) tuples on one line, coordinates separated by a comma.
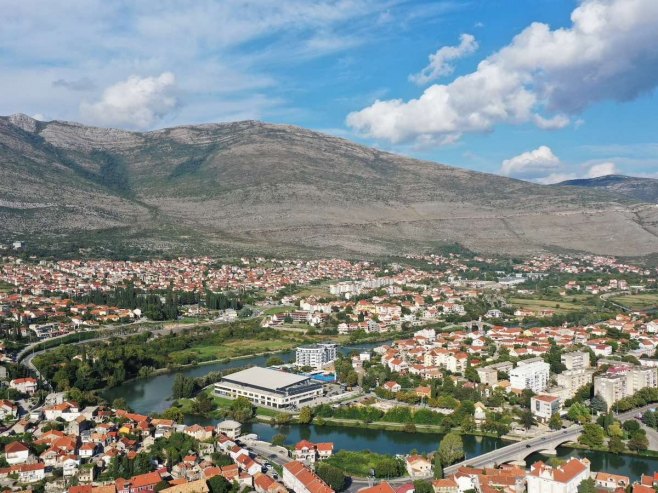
[(278, 189), (23, 122)]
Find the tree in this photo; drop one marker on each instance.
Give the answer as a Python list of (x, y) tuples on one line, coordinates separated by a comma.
[(279, 439), (219, 484), (649, 419), (183, 386), (438, 468), (305, 415), (598, 405), (638, 441), (592, 436), (451, 448), (616, 445), (587, 486), (241, 410), (203, 404), (614, 430), (273, 361), (120, 403), (631, 426), (388, 467), (527, 419), (555, 423), (333, 476), (422, 486), (578, 412)]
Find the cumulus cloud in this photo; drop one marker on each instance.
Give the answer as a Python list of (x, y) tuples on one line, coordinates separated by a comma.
[(440, 65), (531, 164), (541, 165), (602, 169), (138, 102), (607, 53)]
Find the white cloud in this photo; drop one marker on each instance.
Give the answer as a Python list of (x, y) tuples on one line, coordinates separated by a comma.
[(606, 54), (541, 165), (439, 65), (138, 102), (531, 164), (602, 169)]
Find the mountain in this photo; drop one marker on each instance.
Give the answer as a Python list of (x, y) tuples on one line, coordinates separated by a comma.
[(251, 187), (643, 189)]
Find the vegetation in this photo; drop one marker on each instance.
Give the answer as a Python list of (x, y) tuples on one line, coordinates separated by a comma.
[(363, 462)]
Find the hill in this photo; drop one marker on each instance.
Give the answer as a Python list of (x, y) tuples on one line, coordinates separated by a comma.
[(252, 187), (643, 189)]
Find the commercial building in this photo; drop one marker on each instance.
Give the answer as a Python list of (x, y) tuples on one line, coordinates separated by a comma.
[(272, 388), (316, 356), (530, 374)]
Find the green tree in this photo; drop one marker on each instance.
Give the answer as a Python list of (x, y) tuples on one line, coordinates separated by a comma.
[(451, 448), (527, 419), (638, 441), (649, 419), (614, 430), (120, 403), (388, 467), (279, 439), (203, 404), (587, 486), (305, 415), (598, 405), (578, 412), (242, 410), (333, 476), (631, 426), (616, 445), (438, 468), (555, 423), (422, 486), (274, 361), (593, 435), (219, 484)]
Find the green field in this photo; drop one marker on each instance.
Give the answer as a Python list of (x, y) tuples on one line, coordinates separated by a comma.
[(5, 287), (559, 307), (640, 301), (233, 349), (356, 463), (275, 310)]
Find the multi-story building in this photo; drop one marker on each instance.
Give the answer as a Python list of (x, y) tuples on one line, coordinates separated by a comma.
[(316, 356), (531, 374), (571, 380), (576, 360), (612, 387), (300, 479), (544, 406), (488, 376)]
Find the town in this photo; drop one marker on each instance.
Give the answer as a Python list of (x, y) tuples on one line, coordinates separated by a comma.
[(540, 355)]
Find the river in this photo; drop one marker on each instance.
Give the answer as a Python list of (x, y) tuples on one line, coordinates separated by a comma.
[(152, 394)]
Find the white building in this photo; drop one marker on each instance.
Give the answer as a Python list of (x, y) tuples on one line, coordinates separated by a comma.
[(299, 479), (272, 388), (562, 479), (576, 360), (316, 356), (531, 375), (544, 406), (230, 428)]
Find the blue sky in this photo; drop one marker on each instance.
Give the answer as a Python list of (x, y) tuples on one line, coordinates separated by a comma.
[(541, 90)]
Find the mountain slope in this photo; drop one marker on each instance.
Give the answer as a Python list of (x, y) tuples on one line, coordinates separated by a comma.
[(262, 188), (643, 189)]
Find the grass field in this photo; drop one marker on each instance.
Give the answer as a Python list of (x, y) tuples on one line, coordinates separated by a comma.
[(275, 310), (5, 287), (233, 349), (356, 463), (640, 301), (559, 307), (222, 402)]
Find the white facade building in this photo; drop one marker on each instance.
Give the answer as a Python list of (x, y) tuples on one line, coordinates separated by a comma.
[(531, 375), (316, 356), (562, 479)]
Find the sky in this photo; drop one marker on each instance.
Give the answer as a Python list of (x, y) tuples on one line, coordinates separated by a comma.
[(541, 90)]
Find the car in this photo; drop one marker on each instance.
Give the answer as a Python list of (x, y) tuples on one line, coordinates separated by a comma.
[(273, 456), (527, 446)]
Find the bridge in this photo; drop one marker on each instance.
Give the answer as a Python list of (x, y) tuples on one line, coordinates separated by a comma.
[(518, 451)]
